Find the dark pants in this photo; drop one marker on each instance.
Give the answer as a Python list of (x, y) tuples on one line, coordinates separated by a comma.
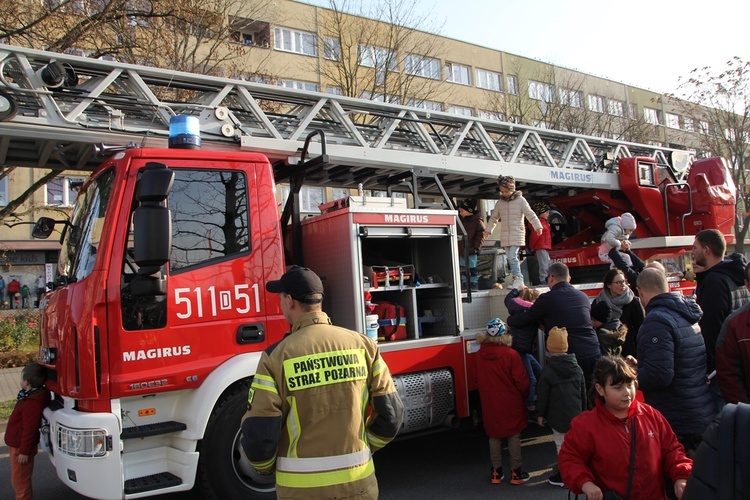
[(587, 366)]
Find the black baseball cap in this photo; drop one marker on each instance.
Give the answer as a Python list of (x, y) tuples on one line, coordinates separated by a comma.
[(298, 282)]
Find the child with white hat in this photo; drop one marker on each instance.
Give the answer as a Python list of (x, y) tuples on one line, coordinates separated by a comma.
[(617, 235)]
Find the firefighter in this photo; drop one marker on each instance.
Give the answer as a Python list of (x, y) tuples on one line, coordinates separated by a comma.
[(308, 418)]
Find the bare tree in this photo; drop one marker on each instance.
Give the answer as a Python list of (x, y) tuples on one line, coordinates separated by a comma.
[(388, 59), (201, 36), (717, 103), (8, 214), (186, 35), (550, 100)]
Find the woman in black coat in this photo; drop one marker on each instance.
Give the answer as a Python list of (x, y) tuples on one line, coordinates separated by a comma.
[(624, 305)]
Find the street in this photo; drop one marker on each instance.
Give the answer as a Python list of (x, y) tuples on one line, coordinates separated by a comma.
[(446, 464)]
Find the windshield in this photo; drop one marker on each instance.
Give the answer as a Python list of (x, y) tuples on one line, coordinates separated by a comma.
[(81, 237)]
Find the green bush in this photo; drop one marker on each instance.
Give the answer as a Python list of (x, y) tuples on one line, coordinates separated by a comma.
[(15, 331)]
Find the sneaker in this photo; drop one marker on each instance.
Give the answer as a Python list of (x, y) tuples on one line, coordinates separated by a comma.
[(518, 476), (556, 480), (496, 475)]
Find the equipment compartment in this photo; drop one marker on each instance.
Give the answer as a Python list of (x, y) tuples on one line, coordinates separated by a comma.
[(345, 246)]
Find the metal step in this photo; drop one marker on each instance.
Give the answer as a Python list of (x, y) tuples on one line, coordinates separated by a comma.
[(155, 429), (150, 483)]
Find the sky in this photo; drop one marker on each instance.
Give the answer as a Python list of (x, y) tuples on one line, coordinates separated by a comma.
[(643, 43)]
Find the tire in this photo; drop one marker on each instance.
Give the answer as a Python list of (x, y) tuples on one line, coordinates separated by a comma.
[(223, 472)]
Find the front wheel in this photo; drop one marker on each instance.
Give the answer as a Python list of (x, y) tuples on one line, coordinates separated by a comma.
[(223, 472)]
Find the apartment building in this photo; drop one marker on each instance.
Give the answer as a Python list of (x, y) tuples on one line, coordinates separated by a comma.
[(293, 44)]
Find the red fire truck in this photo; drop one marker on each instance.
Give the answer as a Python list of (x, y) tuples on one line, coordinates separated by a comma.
[(159, 312)]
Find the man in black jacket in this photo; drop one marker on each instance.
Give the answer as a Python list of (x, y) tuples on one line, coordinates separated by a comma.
[(672, 359), (564, 307), (720, 291)]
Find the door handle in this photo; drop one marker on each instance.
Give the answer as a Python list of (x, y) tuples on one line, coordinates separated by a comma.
[(252, 333)]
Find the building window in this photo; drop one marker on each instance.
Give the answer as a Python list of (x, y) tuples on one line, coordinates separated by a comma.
[(338, 193), (460, 110), (491, 115), (705, 127), (332, 48), (458, 73), (310, 198), (633, 110), (596, 103), (541, 91), (63, 190), (651, 116), (392, 99), (250, 33), (295, 41), (572, 98), (688, 124), (377, 57), (429, 105), (3, 191), (615, 107), (489, 80), (511, 84), (427, 67), (334, 90), (294, 84), (540, 124), (672, 120)]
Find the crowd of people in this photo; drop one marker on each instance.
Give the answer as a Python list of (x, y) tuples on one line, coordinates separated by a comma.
[(633, 380), (15, 295)]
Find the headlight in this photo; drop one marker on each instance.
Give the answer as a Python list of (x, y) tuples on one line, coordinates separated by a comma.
[(48, 355), (84, 443)]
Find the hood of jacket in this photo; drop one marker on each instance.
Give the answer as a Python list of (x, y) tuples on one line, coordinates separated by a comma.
[(676, 305), (563, 364), (614, 221), (733, 268)]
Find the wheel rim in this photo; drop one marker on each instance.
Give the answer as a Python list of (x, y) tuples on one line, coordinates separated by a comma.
[(245, 472)]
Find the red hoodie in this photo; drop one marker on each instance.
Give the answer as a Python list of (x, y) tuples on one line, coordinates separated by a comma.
[(597, 449)]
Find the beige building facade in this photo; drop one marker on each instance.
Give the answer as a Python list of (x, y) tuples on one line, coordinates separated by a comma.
[(312, 48)]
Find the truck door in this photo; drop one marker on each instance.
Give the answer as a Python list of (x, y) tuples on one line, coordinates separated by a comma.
[(211, 306)]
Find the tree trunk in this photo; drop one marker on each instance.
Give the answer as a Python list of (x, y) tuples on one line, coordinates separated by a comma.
[(14, 204)]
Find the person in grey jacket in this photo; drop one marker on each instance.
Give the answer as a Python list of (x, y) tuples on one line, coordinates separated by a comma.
[(560, 391), (672, 359)]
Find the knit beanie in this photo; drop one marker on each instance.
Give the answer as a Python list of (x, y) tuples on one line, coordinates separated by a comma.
[(469, 205), (540, 207), (601, 312), (557, 341), (507, 181), (627, 221)]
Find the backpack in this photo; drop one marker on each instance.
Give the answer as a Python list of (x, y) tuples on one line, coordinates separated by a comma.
[(721, 470), (391, 321)]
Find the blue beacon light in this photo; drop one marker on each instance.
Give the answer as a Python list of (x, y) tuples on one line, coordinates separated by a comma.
[(184, 132)]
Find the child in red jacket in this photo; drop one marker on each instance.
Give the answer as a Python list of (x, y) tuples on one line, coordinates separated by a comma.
[(595, 458), (541, 244), (503, 389), (22, 433)]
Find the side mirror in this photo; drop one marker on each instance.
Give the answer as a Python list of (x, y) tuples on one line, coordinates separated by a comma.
[(43, 228), (152, 229)]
